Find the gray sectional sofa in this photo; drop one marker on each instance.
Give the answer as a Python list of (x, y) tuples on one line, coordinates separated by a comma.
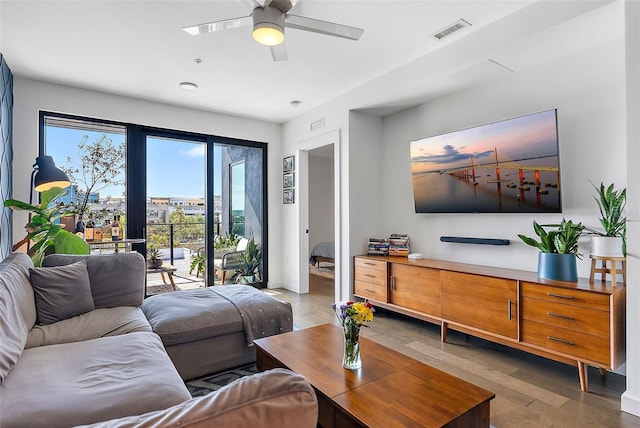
[(75, 348)]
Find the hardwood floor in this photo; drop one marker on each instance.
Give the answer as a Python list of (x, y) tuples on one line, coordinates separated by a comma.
[(530, 391)]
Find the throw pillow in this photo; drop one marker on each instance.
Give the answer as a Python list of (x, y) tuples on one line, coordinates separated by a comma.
[(61, 292)]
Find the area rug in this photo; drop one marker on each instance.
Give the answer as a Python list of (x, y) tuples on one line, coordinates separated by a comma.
[(159, 289), (213, 382), (327, 271)]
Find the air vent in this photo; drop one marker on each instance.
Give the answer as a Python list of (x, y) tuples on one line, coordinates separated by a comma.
[(456, 26)]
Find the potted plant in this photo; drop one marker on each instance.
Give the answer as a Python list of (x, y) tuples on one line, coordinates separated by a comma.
[(154, 257), (44, 228), (611, 203), (251, 260), (558, 249)]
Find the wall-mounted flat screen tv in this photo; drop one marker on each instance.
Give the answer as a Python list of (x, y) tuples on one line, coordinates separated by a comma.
[(511, 166)]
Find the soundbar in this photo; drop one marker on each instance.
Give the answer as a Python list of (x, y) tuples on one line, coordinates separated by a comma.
[(481, 241)]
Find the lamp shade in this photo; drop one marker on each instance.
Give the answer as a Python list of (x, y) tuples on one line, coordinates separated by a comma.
[(268, 26), (48, 175)]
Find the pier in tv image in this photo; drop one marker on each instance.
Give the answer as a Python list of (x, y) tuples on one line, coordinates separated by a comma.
[(511, 166)]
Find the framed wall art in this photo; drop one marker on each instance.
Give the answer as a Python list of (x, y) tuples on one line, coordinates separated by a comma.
[(288, 179), (288, 196), (288, 164)]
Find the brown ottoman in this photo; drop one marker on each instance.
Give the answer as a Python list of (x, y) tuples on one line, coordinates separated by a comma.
[(207, 330)]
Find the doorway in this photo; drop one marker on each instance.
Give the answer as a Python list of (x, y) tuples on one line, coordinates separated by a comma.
[(328, 146), (321, 221)]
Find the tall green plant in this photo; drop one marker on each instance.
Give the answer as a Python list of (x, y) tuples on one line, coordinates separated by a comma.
[(251, 258), (561, 240), (611, 203), (48, 235)]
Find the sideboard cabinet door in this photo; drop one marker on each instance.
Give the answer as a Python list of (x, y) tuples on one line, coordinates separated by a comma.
[(416, 288), (486, 303)]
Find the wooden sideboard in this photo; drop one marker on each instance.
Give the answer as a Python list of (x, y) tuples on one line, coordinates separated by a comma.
[(580, 323)]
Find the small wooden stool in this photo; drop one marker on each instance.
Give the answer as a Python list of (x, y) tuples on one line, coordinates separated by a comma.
[(612, 270)]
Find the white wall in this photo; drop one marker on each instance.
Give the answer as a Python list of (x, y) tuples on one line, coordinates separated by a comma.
[(367, 168), (588, 90), (32, 96), (631, 397), (321, 204)]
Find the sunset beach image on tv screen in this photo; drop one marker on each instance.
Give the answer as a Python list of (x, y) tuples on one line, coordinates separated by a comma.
[(511, 166)]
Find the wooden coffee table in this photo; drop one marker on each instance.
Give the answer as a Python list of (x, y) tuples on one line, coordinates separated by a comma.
[(390, 390)]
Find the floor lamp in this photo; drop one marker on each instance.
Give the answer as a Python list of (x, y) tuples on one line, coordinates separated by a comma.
[(45, 175)]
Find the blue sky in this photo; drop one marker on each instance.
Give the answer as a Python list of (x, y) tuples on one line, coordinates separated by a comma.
[(174, 167)]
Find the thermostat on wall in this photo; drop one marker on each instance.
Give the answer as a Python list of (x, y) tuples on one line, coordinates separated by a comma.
[(416, 256)]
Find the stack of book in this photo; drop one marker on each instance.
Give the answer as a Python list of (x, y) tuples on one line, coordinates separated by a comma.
[(378, 247), (399, 245)]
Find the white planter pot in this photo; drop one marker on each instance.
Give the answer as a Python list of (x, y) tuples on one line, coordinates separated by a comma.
[(606, 246)]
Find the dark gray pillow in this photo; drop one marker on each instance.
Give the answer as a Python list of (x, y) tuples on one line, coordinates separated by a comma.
[(61, 292)]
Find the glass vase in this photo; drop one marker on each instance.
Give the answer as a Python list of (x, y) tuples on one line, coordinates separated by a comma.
[(351, 356)]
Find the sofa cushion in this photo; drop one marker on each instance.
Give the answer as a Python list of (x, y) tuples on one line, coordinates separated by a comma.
[(94, 324), (105, 270), (17, 309), (86, 382), (61, 292), (191, 315), (275, 398)]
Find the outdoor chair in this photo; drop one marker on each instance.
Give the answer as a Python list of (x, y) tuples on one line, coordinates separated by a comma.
[(230, 261)]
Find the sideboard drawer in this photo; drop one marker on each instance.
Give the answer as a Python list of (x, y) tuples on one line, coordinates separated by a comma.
[(370, 264), (371, 291), (564, 295), (576, 318), (372, 276), (573, 343)]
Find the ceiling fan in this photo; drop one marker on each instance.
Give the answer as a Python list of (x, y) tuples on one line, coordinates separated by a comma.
[(269, 19)]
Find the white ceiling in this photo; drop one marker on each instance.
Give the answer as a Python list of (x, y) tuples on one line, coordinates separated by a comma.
[(137, 49)]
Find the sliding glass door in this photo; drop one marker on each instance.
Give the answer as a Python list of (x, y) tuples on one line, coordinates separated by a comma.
[(175, 213)]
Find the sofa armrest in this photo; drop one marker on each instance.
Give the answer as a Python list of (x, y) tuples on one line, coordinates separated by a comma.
[(116, 279), (275, 398)]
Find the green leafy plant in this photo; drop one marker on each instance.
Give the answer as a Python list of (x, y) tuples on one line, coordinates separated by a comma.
[(44, 230), (251, 258), (197, 263), (561, 240), (611, 203)]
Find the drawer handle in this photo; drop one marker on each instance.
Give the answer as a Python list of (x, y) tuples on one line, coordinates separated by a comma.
[(509, 309), (391, 283), (369, 264), (368, 275), (561, 296), (566, 317), (555, 339), (369, 291)]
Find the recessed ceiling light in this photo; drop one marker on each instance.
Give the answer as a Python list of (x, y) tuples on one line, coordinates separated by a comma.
[(188, 86)]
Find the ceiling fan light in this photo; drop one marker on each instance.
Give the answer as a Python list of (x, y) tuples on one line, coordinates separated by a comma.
[(268, 34), (268, 26)]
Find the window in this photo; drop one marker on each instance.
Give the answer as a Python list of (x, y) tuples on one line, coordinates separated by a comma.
[(224, 195)]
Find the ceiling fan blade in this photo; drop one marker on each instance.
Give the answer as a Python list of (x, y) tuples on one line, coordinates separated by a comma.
[(323, 27), (226, 24), (279, 52), (251, 4)]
